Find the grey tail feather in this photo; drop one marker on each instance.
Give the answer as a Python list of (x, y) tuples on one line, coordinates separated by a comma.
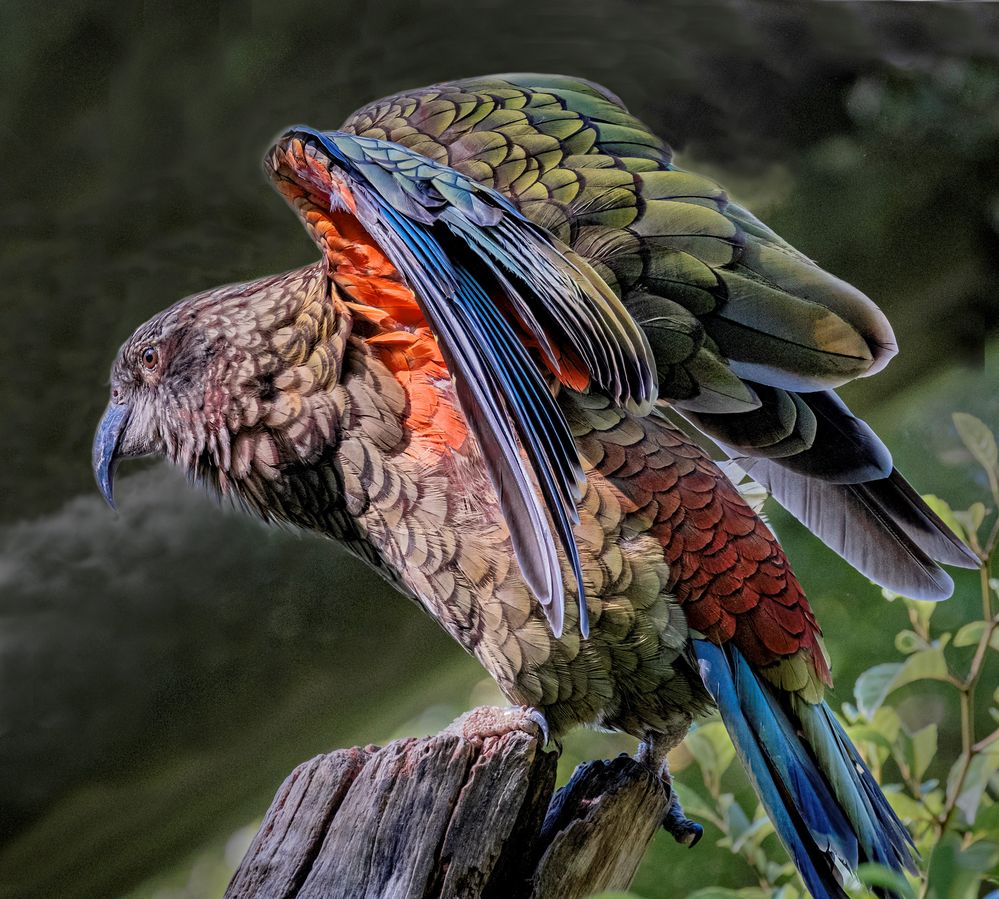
[(813, 434), (882, 527)]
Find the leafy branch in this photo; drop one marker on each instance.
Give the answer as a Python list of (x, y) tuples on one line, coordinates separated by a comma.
[(952, 824)]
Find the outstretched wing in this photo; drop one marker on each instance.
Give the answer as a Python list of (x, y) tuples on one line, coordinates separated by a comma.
[(749, 340), (488, 280), (749, 336)]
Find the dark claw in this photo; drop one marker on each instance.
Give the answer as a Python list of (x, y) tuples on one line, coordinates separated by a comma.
[(686, 832), (542, 722)]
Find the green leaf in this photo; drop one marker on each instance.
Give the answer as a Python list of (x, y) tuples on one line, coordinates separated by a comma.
[(887, 722), (713, 751), (876, 738), (761, 828), (981, 769), (924, 747), (873, 686), (971, 519), (866, 734), (907, 642), (943, 509), (850, 713), (907, 808), (694, 804), (987, 820), (873, 875), (788, 891), (736, 818), (970, 634), (725, 893), (979, 440), (928, 664), (750, 834), (956, 872), (775, 871), (922, 610)]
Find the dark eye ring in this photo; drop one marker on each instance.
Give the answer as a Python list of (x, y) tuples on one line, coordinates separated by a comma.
[(150, 358)]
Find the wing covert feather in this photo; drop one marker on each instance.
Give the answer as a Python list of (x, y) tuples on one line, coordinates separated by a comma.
[(749, 335)]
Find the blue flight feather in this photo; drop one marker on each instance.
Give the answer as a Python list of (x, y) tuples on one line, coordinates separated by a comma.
[(490, 367), (521, 385), (814, 866), (825, 805)]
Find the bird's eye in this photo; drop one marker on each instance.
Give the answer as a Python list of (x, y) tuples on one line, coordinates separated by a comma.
[(150, 358)]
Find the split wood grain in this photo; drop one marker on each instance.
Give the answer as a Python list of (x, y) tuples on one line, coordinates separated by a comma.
[(444, 817)]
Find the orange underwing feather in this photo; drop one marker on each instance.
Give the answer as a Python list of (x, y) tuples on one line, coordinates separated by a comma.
[(726, 567), (377, 293)]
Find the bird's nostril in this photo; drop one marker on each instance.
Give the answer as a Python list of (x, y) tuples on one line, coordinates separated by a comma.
[(115, 393)]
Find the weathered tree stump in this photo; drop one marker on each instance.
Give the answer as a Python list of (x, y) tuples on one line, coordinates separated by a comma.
[(445, 816)]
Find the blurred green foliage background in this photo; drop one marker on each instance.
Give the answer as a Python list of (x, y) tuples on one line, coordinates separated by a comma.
[(161, 671)]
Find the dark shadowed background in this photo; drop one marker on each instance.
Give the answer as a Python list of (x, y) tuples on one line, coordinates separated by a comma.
[(163, 669)]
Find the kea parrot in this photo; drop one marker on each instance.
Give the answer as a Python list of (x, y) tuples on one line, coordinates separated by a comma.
[(494, 386)]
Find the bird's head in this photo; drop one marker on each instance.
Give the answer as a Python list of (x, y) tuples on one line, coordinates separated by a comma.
[(219, 382)]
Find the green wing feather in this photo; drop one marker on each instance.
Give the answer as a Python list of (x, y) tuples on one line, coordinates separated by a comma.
[(576, 162), (749, 336)]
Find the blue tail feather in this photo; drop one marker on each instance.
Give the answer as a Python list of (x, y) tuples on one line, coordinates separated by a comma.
[(825, 805), (884, 837)]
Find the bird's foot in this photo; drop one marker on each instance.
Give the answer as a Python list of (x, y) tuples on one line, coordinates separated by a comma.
[(686, 832), (654, 751), (495, 721)]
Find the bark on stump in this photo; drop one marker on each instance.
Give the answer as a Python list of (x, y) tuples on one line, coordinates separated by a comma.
[(444, 816)]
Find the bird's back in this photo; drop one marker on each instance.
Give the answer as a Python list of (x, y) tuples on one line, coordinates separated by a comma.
[(667, 543)]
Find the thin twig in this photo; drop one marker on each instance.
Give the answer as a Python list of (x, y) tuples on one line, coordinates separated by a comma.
[(966, 688)]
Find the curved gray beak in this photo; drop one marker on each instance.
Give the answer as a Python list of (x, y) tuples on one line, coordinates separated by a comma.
[(106, 442)]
